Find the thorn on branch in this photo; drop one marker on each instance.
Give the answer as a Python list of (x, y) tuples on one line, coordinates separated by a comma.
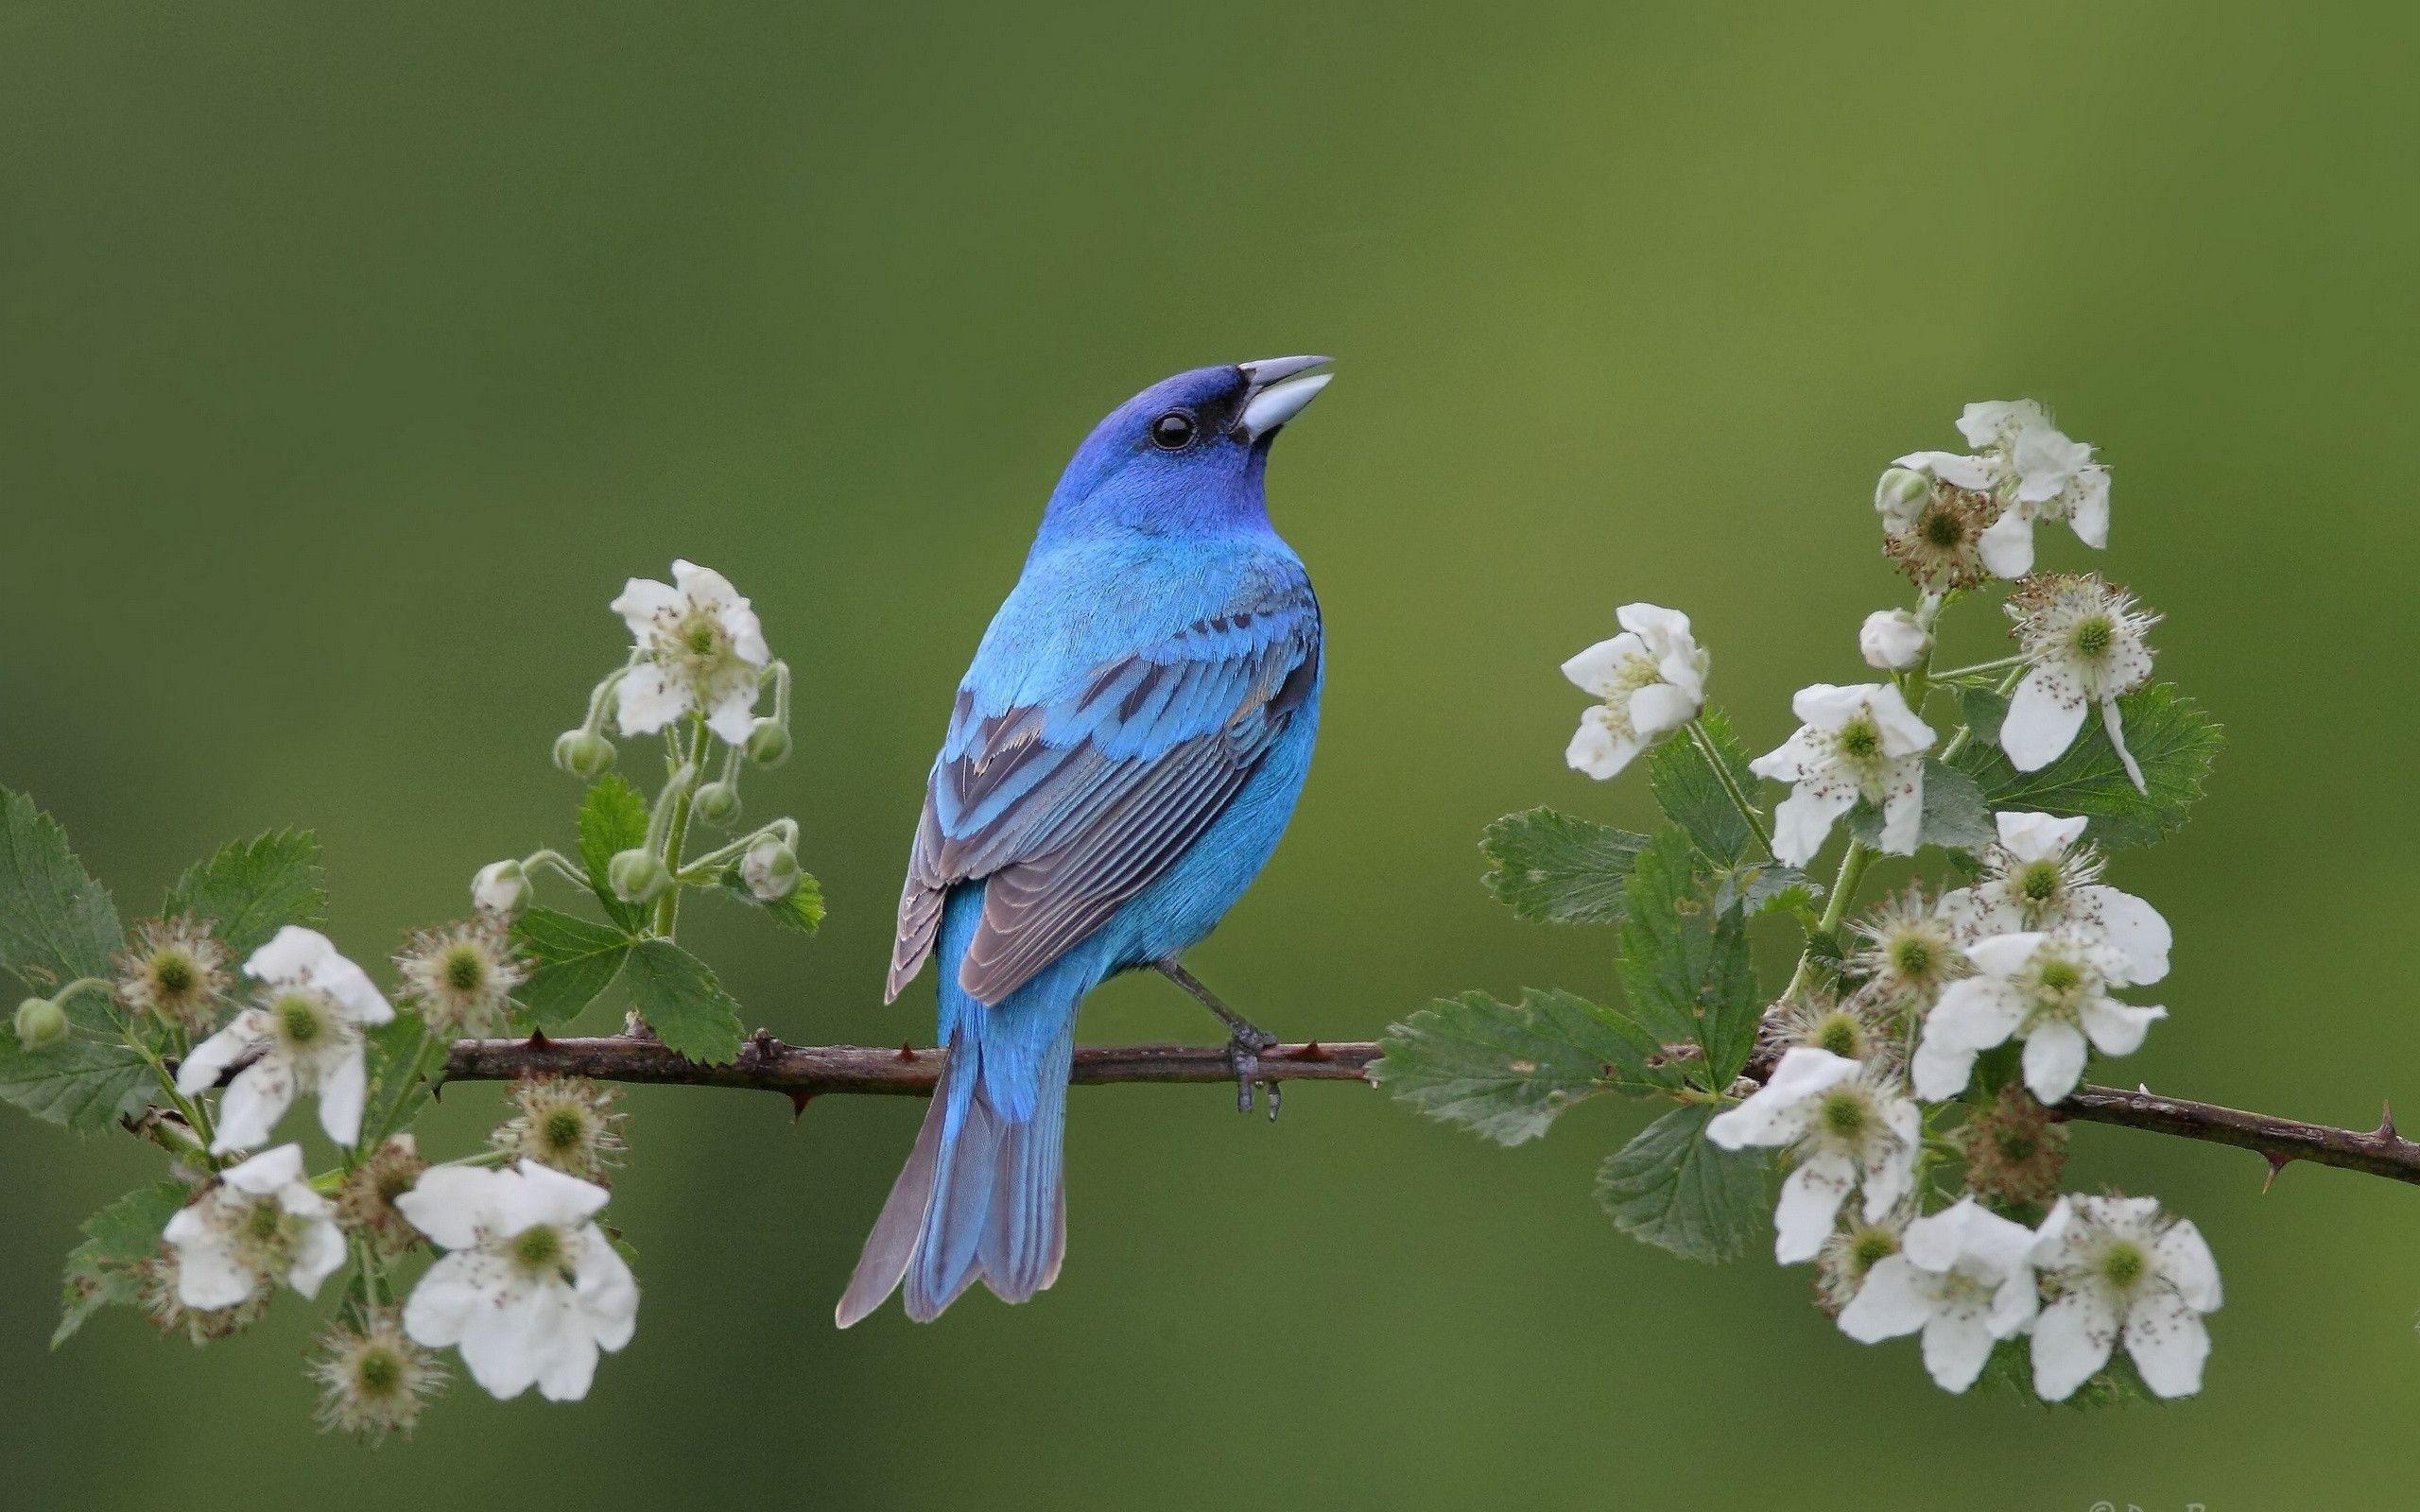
[(538, 1039), (1312, 1051), (907, 1052), (797, 1106), (2385, 1131), (2277, 1161)]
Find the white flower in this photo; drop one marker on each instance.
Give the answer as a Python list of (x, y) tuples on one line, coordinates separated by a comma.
[(2085, 641), (1846, 1127), (1977, 474), (2052, 989), (1652, 678), (501, 888), (2121, 1270), (1891, 640), (1994, 424), (305, 1033), (1964, 1277), (529, 1288), (1856, 742), (701, 647), (2037, 878), (2030, 467), (260, 1223)]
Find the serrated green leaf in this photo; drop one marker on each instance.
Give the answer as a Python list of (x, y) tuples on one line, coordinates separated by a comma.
[(1983, 711), (613, 818), (1673, 1187), (1692, 796), (1954, 816), (2171, 739), (56, 922), (678, 996), (802, 910), (1684, 968), (1506, 1070), (106, 1270), (250, 889), (1554, 868), (572, 962), (85, 1082)]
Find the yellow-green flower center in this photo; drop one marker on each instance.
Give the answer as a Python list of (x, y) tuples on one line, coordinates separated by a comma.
[(1844, 1113), (2059, 977), (2092, 636), (1912, 956), (378, 1372), (173, 973), (2123, 1264), (301, 1019), (1943, 529), (538, 1248), (2039, 881), (563, 1129), (1842, 1034), (1861, 739), (1869, 1248), (465, 969)]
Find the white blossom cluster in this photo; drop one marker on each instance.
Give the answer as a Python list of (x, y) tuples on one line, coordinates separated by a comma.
[(521, 1280), (2034, 952)]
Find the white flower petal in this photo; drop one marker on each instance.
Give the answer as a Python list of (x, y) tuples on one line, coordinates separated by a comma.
[(1659, 707), (344, 1086), (1828, 706), (1810, 1200), (2185, 1259), (1892, 641), (642, 600), (2005, 954), (252, 1104), (352, 989), (1995, 421), (703, 585), (321, 1255), (1775, 1113), (291, 955), (2117, 1028), (2088, 514), (451, 1203), (647, 699), (210, 1060), (1903, 733), (502, 1346), (1794, 760), (2054, 1058), (1598, 670), (1895, 1300), (2037, 837), (1903, 817), (1595, 749), (2007, 545), (209, 1276), (607, 1293), (266, 1171), (1957, 1342), (1891, 1175), (547, 1195), (2169, 1342), (1803, 820), (2072, 1339), (733, 716), (2042, 722)]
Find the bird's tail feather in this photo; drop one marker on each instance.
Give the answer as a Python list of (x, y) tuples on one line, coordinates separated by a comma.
[(979, 1197)]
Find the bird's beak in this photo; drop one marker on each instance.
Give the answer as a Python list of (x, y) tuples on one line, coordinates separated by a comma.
[(1279, 387)]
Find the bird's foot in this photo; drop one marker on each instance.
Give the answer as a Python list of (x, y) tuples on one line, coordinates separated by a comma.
[(1243, 1053)]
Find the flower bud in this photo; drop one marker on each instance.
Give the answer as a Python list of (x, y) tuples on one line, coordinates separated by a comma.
[(768, 743), (718, 803), (770, 869), (1900, 492), (501, 888), (583, 753), (1891, 640), (638, 876), (42, 1023)]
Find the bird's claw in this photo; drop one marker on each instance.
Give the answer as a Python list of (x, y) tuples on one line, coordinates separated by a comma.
[(1243, 1053)]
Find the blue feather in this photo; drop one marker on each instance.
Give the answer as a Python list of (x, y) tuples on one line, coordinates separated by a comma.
[(1125, 751)]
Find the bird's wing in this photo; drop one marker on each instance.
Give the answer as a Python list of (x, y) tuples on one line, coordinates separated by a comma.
[(1072, 805)]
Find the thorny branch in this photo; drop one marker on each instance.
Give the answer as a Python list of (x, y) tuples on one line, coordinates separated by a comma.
[(803, 1072)]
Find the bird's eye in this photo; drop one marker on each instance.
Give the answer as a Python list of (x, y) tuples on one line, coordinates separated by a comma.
[(1173, 431)]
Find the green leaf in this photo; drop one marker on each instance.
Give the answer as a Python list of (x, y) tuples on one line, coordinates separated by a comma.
[(1686, 972), (85, 1082), (678, 996), (1692, 796), (106, 1270), (613, 818), (1505, 1071), (1954, 816), (802, 910), (1553, 868), (572, 961), (248, 890), (1671, 1188), (2173, 740), (56, 922)]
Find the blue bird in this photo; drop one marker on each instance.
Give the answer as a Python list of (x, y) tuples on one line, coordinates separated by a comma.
[(1124, 754)]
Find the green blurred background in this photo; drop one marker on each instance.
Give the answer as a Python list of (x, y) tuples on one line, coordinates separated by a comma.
[(350, 358)]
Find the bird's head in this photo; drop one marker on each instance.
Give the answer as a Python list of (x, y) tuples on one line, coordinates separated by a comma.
[(1186, 454)]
